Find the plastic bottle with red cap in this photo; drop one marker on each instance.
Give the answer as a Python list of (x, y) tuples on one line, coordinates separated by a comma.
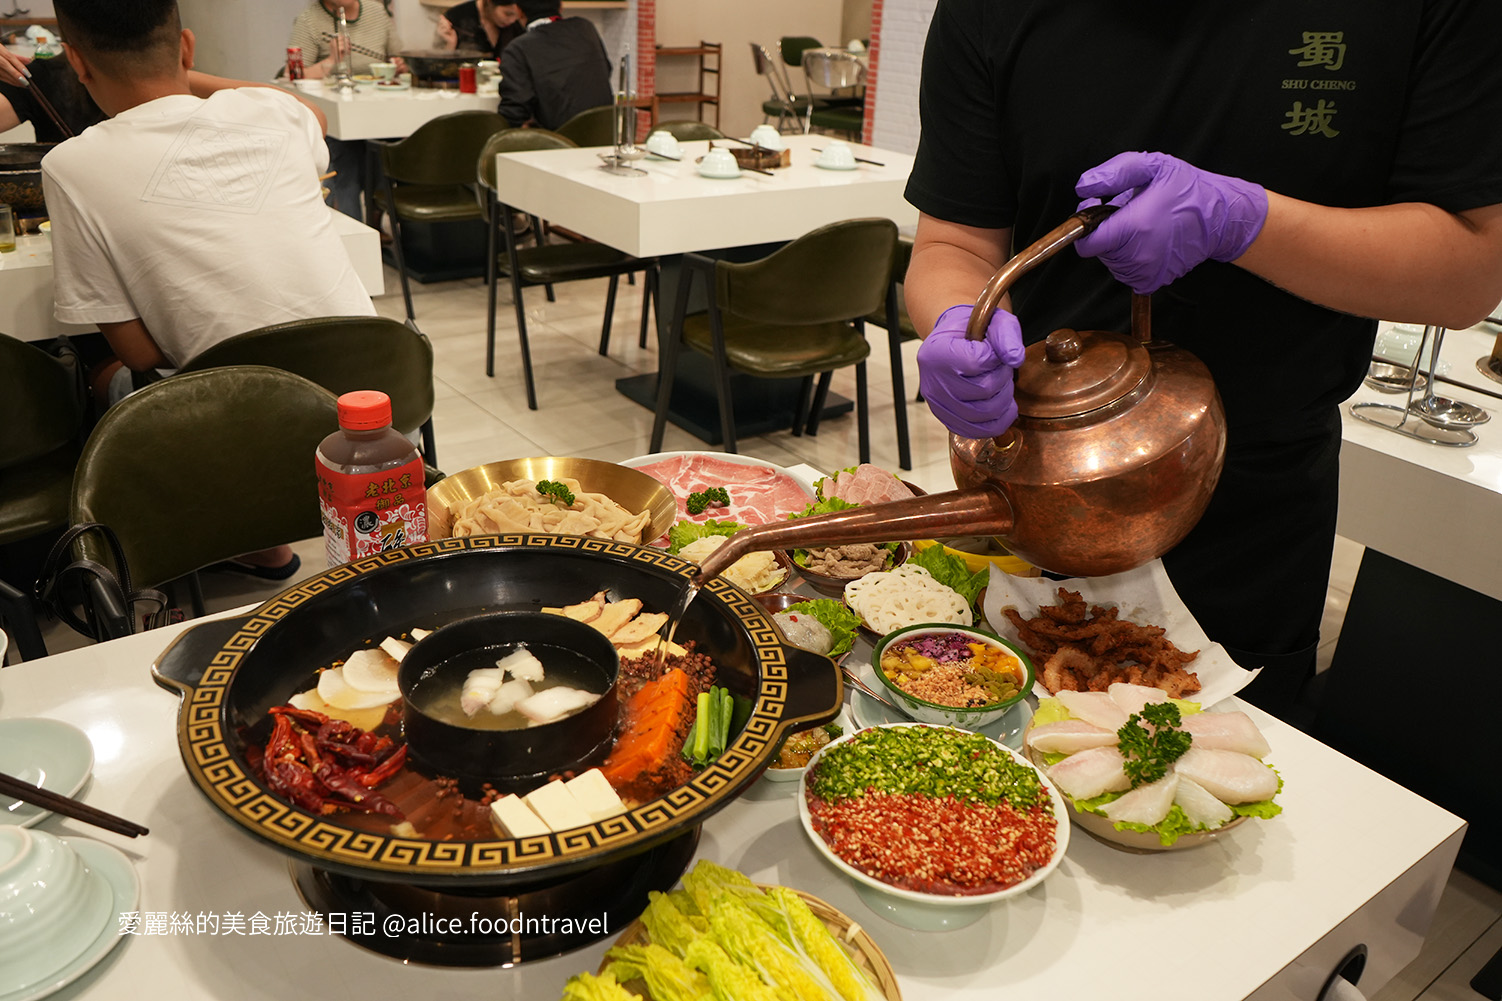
[(370, 482)]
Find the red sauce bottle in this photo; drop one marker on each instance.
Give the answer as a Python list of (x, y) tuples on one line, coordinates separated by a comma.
[(370, 482)]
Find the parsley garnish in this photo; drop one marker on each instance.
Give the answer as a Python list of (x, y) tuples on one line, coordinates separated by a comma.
[(1148, 753), (697, 503), (559, 493)]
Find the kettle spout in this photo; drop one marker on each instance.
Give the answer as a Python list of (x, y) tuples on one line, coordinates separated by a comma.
[(978, 510)]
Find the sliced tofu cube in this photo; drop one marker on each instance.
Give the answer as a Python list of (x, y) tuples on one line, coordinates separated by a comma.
[(557, 808), (421, 634), (593, 791), (515, 818)]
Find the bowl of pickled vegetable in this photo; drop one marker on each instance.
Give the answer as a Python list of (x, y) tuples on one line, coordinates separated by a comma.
[(952, 675)]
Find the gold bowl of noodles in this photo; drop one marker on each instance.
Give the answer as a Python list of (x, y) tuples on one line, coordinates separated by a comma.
[(611, 501)]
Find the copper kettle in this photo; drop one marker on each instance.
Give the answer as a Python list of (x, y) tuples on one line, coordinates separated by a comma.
[(1117, 447)]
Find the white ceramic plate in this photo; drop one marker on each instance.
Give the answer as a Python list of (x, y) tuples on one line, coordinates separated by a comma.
[(830, 166), (117, 871), (930, 911), (866, 711), (46, 752)]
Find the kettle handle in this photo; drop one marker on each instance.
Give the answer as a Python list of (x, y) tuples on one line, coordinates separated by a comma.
[(1082, 223)]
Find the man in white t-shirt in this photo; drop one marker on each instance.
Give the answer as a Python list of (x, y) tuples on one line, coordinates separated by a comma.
[(194, 213)]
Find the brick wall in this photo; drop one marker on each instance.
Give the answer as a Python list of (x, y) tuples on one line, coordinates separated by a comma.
[(898, 30)]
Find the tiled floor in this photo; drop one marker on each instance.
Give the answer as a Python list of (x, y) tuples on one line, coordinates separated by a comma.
[(478, 419)]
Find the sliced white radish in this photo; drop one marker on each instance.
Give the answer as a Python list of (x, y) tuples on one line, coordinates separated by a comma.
[(337, 692), (372, 671), (521, 663), (365, 719), (396, 648), (509, 695)]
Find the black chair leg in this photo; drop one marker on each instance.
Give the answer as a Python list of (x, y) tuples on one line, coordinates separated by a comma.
[(615, 281), (429, 447), (17, 614), (667, 362), (491, 276), (800, 411), (722, 376), (816, 408), (396, 249), (862, 412), (648, 298), (899, 390), (521, 336), (631, 278)]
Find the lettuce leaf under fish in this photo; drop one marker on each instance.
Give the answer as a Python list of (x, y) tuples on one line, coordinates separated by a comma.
[(685, 532), (952, 572), (834, 616)]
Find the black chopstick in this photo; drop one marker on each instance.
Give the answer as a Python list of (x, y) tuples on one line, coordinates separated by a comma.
[(377, 56), (67, 807), (41, 98), (859, 160)]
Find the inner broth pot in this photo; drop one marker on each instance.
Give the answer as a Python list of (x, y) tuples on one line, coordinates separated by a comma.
[(1117, 447), (511, 760)]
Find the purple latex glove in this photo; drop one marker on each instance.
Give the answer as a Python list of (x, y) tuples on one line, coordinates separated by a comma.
[(968, 384), (1173, 216)]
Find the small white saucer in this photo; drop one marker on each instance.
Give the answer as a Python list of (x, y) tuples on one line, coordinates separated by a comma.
[(829, 166), (50, 753), (720, 177), (866, 711), (117, 871)]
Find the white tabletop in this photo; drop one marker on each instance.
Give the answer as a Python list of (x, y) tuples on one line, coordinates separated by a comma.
[(26, 279), (1264, 912), (670, 209), (369, 114), (1433, 507)]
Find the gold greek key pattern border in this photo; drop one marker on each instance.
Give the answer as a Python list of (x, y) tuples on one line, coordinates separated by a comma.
[(213, 766)]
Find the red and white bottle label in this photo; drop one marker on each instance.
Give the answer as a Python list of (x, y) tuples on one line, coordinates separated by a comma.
[(368, 513)]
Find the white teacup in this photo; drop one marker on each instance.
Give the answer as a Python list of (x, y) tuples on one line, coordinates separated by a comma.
[(383, 71), (51, 906), (767, 137), (837, 155), (664, 144), (719, 163)]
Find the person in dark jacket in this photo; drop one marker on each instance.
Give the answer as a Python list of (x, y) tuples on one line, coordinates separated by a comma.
[(554, 71)]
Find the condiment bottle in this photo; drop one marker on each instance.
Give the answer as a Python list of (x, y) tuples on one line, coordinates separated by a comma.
[(370, 482)]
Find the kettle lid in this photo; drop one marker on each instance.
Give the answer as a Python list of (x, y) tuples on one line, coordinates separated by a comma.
[(1073, 372)]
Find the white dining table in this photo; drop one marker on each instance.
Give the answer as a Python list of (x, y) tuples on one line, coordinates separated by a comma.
[(26, 279), (1265, 912), (668, 208), (368, 113)]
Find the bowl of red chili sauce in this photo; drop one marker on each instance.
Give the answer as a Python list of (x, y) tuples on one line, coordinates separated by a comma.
[(932, 823)]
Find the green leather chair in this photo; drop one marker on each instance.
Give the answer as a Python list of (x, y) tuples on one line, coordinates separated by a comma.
[(41, 414), (343, 354), (798, 312), (201, 467), (592, 127), (545, 263), (792, 48), (689, 131), (429, 175)]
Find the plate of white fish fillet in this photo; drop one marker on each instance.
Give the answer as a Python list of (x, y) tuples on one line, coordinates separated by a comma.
[(1150, 774)]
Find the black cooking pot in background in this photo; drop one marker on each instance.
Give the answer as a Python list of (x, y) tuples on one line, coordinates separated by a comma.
[(439, 68), (21, 175)]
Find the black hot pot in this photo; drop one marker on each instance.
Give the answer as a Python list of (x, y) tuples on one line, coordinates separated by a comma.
[(230, 672), (21, 174)]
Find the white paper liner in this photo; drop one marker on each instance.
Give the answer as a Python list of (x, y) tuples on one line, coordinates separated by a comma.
[(1145, 596)]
